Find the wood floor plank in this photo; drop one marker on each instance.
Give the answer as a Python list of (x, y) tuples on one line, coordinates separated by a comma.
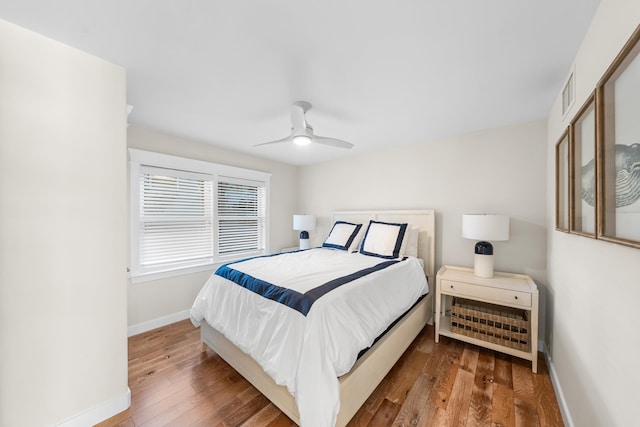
[(469, 358), (415, 408), (175, 382), (410, 370), (263, 417), (427, 341), (392, 384), (546, 401), (144, 414), (502, 370), (128, 422), (363, 417), (212, 407), (434, 416), (447, 351), (482, 395), (282, 421), (523, 396), (121, 419), (457, 410), (445, 371), (194, 409), (385, 415), (502, 411), (152, 395), (248, 394), (244, 411)]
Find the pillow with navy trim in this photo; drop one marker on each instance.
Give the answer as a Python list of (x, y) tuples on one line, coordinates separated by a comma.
[(410, 242), (342, 235), (355, 245), (383, 239)]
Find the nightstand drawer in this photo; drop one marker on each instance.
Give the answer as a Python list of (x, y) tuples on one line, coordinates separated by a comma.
[(487, 293)]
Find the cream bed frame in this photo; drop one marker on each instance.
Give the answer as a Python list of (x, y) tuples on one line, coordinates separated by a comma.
[(373, 366)]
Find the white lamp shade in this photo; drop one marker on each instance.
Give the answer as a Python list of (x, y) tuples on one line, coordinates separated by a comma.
[(485, 227), (304, 222)]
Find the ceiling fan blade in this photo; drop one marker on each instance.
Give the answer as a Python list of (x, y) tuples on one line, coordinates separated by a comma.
[(333, 142), (302, 132), (287, 139), (299, 123)]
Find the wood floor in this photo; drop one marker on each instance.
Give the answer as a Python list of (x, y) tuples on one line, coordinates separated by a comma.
[(175, 382)]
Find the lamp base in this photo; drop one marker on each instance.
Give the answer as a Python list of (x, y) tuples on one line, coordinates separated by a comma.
[(304, 240), (304, 243), (483, 266)]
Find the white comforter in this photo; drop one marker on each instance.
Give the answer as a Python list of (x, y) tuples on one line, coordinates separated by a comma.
[(308, 353)]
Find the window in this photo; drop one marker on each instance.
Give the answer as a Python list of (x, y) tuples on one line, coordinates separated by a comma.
[(187, 215), (241, 213), (175, 229)]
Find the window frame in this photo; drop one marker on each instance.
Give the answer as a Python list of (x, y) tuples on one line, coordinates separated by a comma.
[(218, 172)]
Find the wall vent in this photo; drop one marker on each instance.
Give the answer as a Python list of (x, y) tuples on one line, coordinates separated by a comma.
[(568, 93)]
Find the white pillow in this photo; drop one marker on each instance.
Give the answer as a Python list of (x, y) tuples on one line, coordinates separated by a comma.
[(383, 239), (342, 235), (355, 246), (410, 242)]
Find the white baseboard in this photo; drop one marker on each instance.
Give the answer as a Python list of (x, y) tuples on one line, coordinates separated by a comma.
[(562, 403), (159, 322), (101, 412)]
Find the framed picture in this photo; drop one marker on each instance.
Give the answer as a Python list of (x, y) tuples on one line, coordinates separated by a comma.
[(582, 142), (618, 99), (562, 183)]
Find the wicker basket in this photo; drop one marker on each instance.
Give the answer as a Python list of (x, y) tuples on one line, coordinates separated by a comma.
[(506, 326)]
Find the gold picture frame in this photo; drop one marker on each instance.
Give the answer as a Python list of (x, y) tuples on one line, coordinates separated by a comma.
[(582, 142), (562, 183), (618, 104)]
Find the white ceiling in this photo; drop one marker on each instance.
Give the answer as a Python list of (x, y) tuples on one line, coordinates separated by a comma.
[(378, 73)]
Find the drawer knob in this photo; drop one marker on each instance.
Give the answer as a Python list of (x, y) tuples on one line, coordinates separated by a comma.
[(516, 297), (451, 286)]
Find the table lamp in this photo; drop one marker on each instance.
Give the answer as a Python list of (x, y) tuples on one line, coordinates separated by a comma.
[(484, 227), (304, 224)]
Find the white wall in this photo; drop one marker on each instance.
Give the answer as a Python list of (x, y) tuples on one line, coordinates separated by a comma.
[(594, 292), (160, 299), (62, 233), (492, 171)]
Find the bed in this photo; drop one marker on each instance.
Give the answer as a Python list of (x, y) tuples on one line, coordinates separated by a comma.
[(354, 386)]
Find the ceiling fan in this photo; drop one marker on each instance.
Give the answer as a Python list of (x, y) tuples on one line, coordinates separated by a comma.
[(302, 132)]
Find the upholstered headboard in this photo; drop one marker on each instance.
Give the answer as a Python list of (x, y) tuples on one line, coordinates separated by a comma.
[(424, 219)]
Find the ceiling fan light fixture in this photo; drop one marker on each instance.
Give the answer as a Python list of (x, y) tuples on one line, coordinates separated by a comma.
[(302, 140), (302, 132)]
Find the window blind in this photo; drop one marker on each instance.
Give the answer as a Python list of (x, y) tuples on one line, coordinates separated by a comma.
[(176, 217), (241, 209), (188, 215)]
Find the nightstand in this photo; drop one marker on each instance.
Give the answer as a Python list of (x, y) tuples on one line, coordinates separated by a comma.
[(500, 313)]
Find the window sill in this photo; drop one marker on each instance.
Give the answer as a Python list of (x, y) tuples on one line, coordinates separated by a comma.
[(148, 277)]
